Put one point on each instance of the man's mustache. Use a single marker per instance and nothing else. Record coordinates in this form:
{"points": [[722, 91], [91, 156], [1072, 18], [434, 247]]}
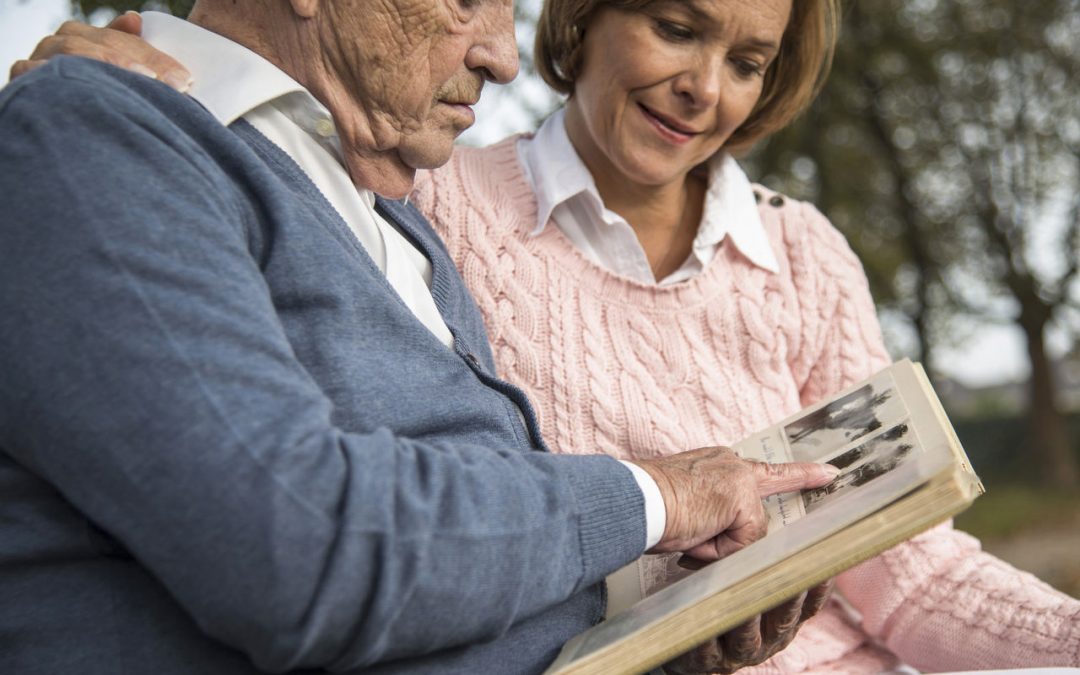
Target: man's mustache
{"points": [[465, 91]]}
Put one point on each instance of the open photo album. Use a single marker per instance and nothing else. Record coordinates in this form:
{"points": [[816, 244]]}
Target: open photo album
{"points": [[902, 471]]}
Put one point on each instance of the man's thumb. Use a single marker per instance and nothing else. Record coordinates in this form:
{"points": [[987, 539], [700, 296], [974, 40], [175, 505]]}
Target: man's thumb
{"points": [[776, 478]]}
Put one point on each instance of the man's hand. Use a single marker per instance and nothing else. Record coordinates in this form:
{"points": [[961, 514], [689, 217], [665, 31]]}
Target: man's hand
{"points": [[713, 501], [118, 44], [755, 641], [713, 498]]}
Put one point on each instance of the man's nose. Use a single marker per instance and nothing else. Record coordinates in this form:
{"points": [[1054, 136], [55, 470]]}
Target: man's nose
{"points": [[495, 51]]}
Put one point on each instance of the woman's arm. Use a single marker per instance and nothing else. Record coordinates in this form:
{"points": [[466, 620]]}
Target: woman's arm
{"points": [[937, 601]]}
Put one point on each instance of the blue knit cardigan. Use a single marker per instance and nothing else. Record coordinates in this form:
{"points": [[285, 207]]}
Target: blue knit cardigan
{"points": [[227, 446]]}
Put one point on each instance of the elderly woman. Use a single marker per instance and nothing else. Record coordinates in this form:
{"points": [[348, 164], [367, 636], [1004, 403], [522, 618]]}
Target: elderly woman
{"points": [[650, 299]]}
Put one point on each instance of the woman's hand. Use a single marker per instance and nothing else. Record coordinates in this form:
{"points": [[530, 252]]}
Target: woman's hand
{"points": [[118, 44], [755, 641]]}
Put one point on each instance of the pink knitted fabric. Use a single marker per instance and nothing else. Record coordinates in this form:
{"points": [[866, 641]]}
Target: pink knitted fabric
{"points": [[632, 370]]}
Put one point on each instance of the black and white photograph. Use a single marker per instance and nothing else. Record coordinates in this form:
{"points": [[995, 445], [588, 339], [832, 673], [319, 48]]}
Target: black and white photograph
{"points": [[865, 462], [861, 413]]}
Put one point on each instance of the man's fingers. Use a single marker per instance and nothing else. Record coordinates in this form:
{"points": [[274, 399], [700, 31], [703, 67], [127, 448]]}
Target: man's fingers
{"points": [[705, 658], [779, 621], [749, 525], [689, 562], [742, 644], [816, 598], [716, 548], [777, 478]]}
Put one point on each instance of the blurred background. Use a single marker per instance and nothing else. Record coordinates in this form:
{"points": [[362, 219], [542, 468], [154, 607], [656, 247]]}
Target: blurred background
{"points": [[946, 147]]}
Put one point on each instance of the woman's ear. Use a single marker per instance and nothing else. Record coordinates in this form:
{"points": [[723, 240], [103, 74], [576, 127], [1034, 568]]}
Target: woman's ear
{"points": [[305, 8]]}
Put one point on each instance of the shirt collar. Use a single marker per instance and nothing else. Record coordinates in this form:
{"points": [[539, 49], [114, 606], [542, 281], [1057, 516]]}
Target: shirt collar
{"points": [[557, 175], [555, 170], [731, 209], [230, 80]]}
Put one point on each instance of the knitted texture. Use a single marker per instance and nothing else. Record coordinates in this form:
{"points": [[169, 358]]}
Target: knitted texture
{"points": [[635, 371]]}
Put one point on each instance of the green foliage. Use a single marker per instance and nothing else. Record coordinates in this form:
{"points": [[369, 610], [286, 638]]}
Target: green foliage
{"points": [[998, 448], [1028, 524], [946, 140], [1009, 509], [85, 8], [946, 147]]}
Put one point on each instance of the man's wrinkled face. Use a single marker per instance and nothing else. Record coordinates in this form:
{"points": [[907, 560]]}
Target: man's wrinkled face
{"points": [[405, 75]]}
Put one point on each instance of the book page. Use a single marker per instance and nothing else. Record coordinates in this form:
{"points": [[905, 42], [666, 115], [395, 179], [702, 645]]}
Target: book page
{"points": [[865, 433], [770, 446]]}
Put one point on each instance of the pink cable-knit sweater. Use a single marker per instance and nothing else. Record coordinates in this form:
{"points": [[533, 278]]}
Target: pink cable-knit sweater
{"points": [[633, 370]]}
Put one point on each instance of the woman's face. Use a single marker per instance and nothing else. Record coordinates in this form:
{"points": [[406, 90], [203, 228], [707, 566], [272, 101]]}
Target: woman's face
{"points": [[662, 88]]}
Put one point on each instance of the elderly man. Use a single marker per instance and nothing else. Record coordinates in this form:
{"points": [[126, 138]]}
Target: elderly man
{"points": [[248, 416]]}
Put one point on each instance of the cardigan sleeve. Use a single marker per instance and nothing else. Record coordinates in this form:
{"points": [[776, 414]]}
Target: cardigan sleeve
{"points": [[147, 377], [937, 601]]}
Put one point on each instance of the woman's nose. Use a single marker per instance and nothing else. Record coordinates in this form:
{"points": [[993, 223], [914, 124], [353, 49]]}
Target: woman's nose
{"points": [[702, 82]]}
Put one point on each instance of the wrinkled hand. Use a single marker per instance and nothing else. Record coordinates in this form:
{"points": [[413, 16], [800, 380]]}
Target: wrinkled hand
{"points": [[713, 498], [755, 641], [713, 502], [118, 44]]}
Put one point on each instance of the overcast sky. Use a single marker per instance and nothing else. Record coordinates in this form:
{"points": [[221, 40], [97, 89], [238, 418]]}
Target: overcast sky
{"points": [[993, 354]]}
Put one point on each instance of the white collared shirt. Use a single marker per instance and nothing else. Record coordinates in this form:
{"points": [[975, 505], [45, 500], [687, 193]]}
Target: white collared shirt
{"points": [[233, 82], [566, 195]]}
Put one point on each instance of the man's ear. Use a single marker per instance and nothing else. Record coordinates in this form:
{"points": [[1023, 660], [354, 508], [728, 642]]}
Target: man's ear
{"points": [[305, 8]]}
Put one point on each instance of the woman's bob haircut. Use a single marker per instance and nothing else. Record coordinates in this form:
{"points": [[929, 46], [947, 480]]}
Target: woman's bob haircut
{"points": [[793, 80]]}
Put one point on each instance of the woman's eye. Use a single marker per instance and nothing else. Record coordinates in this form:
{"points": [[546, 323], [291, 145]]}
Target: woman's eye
{"points": [[673, 31], [748, 69]]}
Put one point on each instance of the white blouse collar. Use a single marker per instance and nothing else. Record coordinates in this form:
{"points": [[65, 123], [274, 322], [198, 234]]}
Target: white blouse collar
{"points": [[557, 175]]}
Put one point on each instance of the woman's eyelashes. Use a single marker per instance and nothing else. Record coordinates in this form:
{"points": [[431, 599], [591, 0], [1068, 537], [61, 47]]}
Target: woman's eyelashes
{"points": [[675, 32], [748, 68]]}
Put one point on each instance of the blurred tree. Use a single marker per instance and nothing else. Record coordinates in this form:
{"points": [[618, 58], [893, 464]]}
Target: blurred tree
{"points": [[525, 13], [947, 147], [84, 8]]}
